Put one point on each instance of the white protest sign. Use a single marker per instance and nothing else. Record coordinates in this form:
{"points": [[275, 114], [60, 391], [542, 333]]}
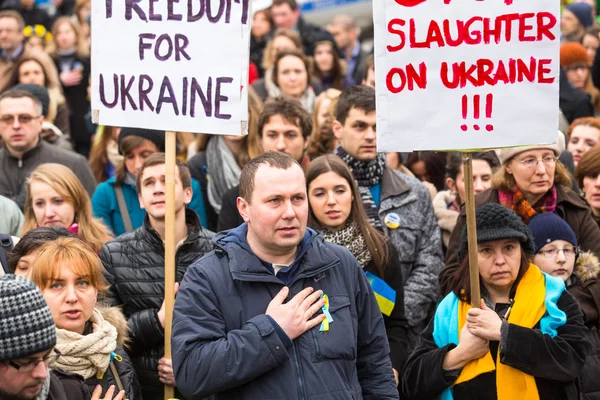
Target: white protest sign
{"points": [[175, 65], [466, 74]]}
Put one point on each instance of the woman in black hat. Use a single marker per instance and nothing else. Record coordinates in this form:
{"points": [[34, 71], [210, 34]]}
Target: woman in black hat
{"points": [[527, 341]]}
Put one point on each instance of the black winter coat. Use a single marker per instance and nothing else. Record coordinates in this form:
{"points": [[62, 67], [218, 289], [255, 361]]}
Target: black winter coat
{"points": [[67, 386], [230, 216], [554, 362], [225, 346], [134, 268]]}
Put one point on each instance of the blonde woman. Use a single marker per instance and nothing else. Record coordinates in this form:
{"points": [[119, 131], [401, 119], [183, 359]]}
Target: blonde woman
{"points": [[55, 197], [90, 338], [322, 140]]}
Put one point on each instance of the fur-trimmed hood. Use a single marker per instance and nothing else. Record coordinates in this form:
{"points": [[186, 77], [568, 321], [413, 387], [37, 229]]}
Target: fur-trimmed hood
{"points": [[115, 317], [446, 218], [587, 266]]}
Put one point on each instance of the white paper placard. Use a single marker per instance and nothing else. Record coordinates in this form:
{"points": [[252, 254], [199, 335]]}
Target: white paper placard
{"points": [[172, 65], [466, 74]]}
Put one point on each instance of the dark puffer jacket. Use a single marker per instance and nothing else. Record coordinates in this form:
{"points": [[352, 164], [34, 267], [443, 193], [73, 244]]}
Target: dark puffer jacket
{"points": [[134, 267], [225, 346]]}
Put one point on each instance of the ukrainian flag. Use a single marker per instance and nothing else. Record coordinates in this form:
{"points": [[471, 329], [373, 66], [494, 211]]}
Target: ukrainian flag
{"points": [[385, 295]]}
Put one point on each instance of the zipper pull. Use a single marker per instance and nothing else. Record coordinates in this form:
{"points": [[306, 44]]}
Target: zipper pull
{"points": [[20, 163]]}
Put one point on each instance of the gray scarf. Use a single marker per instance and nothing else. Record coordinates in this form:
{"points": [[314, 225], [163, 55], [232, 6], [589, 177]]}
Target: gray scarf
{"points": [[307, 99], [45, 389], [223, 171]]}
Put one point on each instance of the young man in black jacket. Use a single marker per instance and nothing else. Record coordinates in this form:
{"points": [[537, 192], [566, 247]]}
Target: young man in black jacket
{"points": [[134, 268]]}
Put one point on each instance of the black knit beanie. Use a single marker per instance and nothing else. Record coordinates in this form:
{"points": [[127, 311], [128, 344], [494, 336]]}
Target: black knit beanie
{"points": [[548, 227], [156, 137], [496, 222], [40, 92], [26, 325]]}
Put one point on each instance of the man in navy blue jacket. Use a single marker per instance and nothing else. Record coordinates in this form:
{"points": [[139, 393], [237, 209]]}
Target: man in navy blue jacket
{"points": [[275, 312]]}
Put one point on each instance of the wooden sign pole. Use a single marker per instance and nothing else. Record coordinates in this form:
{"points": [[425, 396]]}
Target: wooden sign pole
{"points": [[170, 155], [471, 229]]}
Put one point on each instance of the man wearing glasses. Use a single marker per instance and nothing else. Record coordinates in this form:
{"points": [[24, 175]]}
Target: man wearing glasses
{"points": [[20, 128]]}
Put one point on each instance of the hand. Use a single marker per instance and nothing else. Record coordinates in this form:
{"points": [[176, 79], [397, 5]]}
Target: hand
{"points": [[294, 317], [161, 312], [109, 393], [70, 78], [470, 347], [396, 376], [484, 323], [165, 371]]}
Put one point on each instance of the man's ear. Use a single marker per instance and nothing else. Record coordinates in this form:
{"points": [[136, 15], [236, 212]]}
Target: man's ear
{"points": [[187, 195], [141, 202], [451, 185], [336, 126], [242, 206]]}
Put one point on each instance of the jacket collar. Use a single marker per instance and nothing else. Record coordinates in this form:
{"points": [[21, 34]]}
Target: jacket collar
{"points": [[191, 220], [312, 259], [34, 151], [392, 184]]}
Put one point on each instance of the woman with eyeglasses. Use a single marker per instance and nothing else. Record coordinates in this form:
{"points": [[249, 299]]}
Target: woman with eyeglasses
{"points": [[557, 254], [527, 341], [531, 181], [89, 337]]}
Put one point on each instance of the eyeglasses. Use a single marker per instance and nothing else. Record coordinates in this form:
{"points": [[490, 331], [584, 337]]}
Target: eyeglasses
{"points": [[553, 253], [531, 162], [29, 366], [22, 118]]}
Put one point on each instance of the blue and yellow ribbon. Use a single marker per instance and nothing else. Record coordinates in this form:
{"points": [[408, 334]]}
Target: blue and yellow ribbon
{"points": [[328, 318]]}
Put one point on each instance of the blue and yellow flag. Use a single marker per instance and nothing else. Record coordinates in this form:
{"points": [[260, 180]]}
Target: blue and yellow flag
{"points": [[385, 295]]}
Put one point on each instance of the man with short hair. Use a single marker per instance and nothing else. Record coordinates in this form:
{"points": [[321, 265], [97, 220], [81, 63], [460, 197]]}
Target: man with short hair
{"points": [[27, 340], [398, 205], [345, 31], [20, 127], [134, 267], [11, 43], [286, 15], [284, 125], [275, 312]]}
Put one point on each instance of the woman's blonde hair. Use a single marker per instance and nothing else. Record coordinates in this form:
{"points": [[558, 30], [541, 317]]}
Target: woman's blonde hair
{"points": [[81, 45], [502, 180], [60, 178], [322, 141], [71, 253], [269, 55]]}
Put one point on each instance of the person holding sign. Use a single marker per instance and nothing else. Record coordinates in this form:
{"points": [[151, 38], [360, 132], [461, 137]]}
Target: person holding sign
{"points": [[134, 267], [531, 181], [527, 341], [337, 212], [276, 312], [396, 204]]}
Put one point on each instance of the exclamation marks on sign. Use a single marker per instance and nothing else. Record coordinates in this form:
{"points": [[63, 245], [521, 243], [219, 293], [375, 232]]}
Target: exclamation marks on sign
{"points": [[489, 100]]}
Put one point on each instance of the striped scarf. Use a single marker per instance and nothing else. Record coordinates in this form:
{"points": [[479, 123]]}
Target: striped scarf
{"points": [[517, 202], [366, 174]]}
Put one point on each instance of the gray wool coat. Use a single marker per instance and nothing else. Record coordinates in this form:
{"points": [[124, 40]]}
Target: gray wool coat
{"points": [[418, 242]]}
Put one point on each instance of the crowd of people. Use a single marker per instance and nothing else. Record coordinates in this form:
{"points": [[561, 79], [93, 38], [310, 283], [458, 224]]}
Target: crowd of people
{"points": [[308, 265]]}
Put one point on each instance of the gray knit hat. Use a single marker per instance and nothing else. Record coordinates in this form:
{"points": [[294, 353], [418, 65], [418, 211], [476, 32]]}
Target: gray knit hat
{"points": [[26, 325], [496, 222]]}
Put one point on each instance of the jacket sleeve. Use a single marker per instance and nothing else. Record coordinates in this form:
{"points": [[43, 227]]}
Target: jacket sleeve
{"points": [[85, 175], [207, 358], [588, 234], [101, 204], [396, 325], [559, 358], [424, 376], [421, 289], [144, 326], [62, 119], [373, 362]]}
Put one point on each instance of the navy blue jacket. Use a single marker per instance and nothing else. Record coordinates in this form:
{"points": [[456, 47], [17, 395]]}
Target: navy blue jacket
{"points": [[224, 345]]}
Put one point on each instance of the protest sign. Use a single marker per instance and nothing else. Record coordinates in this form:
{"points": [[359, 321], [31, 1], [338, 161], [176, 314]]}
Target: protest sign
{"points": [[171, 65], [466, 74]]}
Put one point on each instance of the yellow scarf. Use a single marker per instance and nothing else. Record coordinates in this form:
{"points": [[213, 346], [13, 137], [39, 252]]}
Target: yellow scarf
{"points": [[528, 309]]}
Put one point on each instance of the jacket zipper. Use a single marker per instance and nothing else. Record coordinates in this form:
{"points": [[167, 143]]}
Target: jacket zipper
{"points": [[301, 389]]}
